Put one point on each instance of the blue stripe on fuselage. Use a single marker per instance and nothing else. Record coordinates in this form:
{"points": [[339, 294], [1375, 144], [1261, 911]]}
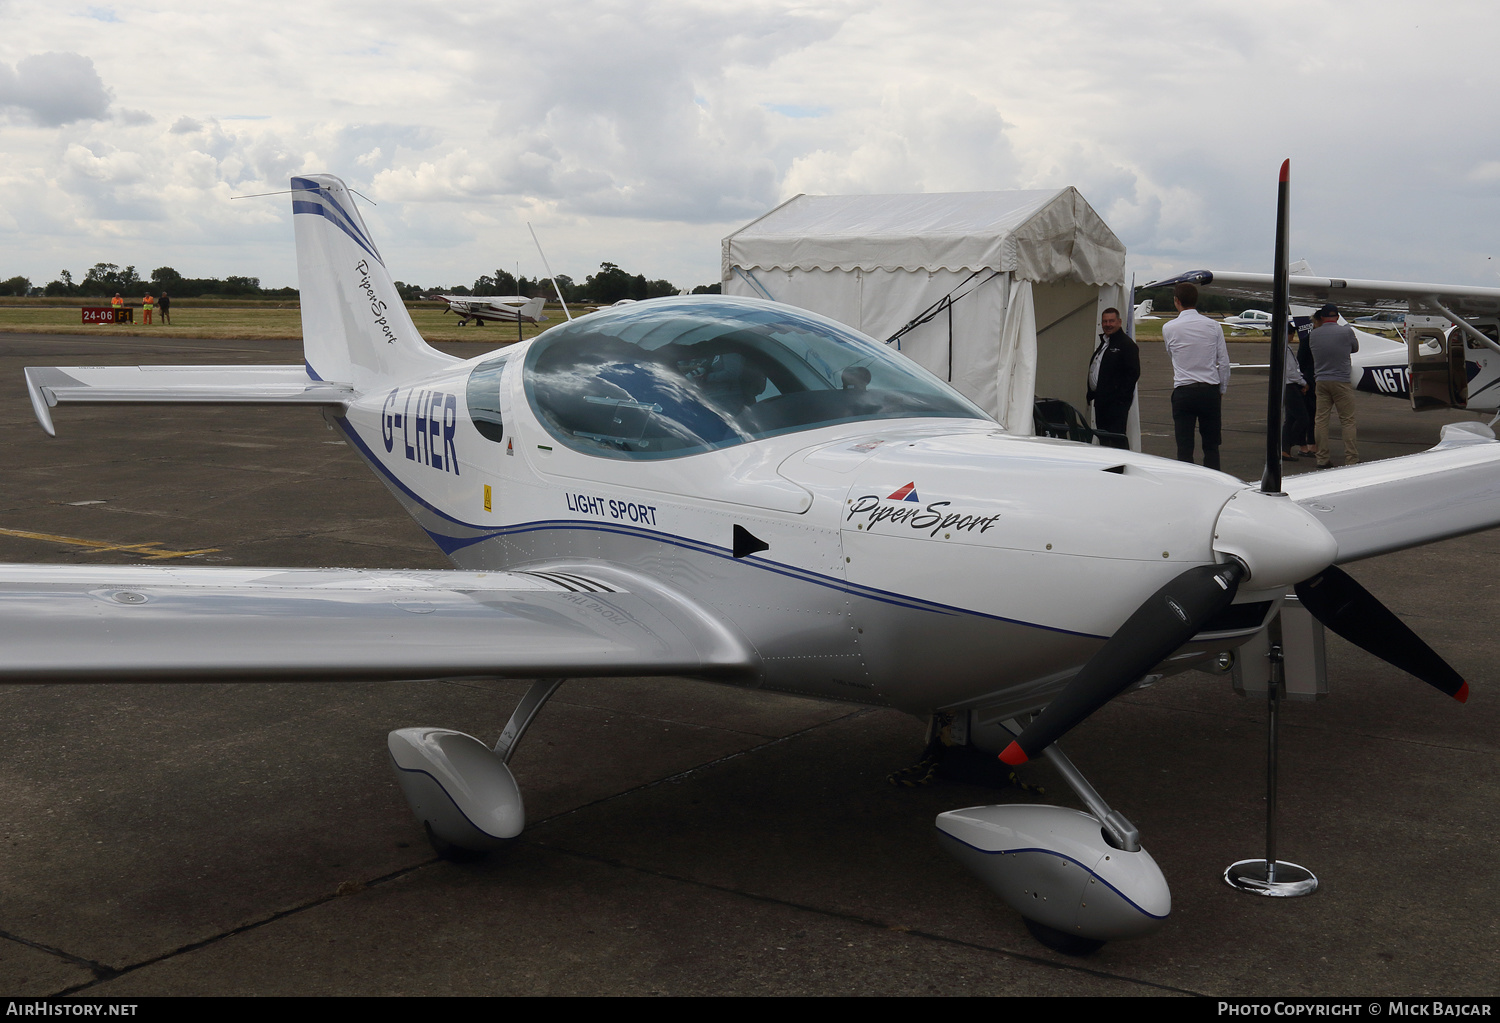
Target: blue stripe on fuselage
{"points": [[448, 544]]}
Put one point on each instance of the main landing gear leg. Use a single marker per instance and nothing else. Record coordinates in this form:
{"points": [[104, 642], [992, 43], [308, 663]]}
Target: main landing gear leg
{"points": [[461, 790]]}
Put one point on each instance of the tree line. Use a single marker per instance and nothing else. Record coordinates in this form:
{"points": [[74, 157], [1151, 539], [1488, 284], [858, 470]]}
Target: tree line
{"points": [[108, 279], [609, 285], [606, 287]]}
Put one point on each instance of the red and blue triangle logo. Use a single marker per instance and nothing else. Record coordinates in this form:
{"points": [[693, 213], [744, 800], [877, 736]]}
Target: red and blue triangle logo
{"points": [[906, 493]]}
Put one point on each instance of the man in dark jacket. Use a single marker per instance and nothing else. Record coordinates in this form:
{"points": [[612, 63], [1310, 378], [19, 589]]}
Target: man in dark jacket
{"points": [[1113, 372]]}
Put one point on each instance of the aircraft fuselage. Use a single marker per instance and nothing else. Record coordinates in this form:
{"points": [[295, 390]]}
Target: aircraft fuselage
{"points": [[918, 563]]}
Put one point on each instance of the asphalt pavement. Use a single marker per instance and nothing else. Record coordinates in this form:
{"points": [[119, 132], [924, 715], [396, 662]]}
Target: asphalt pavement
{"points": [[684, 838]]}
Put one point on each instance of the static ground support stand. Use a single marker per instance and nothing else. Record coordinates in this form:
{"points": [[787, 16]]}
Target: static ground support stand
{"points": [[457, 787], [1268, 875], [1286, 880], [1055, 867]]}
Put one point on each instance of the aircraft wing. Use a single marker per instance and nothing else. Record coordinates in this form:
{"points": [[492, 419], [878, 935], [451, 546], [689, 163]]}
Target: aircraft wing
{"points": [[1348, 294], [66, 623], [50, 386], [1378, 507]]}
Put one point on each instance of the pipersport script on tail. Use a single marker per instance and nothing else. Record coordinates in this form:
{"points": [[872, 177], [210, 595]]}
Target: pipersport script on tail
{"points": [[377, 306]]}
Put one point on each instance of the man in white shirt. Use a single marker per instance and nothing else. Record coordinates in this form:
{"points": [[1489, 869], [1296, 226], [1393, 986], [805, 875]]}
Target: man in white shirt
{"points": [[1200, 375]]}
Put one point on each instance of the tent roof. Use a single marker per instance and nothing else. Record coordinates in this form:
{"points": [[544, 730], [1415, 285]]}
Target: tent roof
{"points": [[1039, 235]]}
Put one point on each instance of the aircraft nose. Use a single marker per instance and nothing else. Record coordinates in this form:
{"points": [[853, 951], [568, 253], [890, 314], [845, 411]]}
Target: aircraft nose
{"points": [[1278, 540]]}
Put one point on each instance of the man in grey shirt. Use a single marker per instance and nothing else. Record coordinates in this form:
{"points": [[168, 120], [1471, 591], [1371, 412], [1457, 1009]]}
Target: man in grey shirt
{"points": [[1332, 344]]}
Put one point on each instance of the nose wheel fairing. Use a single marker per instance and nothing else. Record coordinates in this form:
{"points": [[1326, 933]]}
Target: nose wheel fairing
{"points": [[1053, 865]]}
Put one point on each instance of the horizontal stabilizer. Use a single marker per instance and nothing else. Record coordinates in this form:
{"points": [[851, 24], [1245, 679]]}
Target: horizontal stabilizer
{"points": [[136, 623], [1378, 507], [177, 385]]}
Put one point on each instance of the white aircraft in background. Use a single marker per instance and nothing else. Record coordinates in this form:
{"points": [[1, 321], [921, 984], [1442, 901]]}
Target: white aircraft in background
{"points": [[1393, 321], [498, 308], [749, 494], [1143, 312], [1251, 319], [1450, 357]]}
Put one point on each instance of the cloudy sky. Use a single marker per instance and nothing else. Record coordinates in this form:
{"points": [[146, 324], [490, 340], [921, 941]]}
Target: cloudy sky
{"points": [[644, 132]]}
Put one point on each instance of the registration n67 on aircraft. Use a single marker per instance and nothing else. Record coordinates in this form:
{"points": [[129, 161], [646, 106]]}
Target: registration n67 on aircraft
{"points": [[748, 494]]}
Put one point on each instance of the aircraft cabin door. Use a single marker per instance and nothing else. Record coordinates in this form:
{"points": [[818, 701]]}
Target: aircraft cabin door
{"points": [[1439, 378]]}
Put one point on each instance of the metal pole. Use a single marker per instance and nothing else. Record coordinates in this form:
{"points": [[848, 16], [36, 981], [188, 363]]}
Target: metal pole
{"points": [[1271, 876], [1273, 704]]}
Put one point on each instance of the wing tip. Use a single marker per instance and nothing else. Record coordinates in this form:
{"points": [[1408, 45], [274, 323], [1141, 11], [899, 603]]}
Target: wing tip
{"points": [[1462, 696]]}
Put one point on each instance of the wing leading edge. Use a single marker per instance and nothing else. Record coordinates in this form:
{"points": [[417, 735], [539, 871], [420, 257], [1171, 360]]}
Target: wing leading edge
{"points": [[1347, 293], [1378, 507], [144, 623]]}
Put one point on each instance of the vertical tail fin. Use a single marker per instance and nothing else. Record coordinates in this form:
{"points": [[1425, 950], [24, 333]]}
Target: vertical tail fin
{"points": [[354, 327]]}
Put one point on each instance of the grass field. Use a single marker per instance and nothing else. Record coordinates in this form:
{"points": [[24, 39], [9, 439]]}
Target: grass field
{"points": [[250, 321], [256, 320]]}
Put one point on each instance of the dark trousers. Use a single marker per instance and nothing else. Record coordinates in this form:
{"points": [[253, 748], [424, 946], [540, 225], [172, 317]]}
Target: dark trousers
{"points": [[1112, 418], [1199, 404], [1296, 430]]}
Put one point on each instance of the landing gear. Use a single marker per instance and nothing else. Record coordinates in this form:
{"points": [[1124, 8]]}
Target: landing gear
{"points": [[446, 850], [462, 791], [1058, 941], [1077, 879]]}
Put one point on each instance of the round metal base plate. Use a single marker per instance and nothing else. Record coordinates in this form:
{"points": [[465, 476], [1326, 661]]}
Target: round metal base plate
{"points": [[1291, 880]]}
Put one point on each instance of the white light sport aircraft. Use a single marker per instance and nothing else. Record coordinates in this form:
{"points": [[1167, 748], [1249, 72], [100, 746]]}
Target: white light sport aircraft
{"points": [[1455, 366], [497, 308], [749, 494]]}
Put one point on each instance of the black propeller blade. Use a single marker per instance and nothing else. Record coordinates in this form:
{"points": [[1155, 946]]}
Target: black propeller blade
{"points": [[1169, 618], [1270, 480], [1352, 611]]}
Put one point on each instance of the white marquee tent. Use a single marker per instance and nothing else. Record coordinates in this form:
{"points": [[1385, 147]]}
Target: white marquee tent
{"points": [[997, 292]]}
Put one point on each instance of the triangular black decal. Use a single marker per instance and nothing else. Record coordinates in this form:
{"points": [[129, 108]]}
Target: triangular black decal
{"points": [[747, 543]]}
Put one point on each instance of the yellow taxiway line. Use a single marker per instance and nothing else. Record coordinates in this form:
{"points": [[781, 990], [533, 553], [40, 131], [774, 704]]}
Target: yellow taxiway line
{"points": [[147, 550]]}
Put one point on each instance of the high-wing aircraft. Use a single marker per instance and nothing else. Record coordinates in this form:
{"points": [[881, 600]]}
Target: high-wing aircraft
{"points": [[753, 495], [1456, 366], [499, 308]]}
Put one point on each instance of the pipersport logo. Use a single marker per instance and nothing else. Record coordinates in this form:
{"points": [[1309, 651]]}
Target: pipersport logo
{"points": [[905, 508]]}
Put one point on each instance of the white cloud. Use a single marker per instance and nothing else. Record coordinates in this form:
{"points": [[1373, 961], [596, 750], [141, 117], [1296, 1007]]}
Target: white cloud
{"points": [[642, 132], [53, 89]]}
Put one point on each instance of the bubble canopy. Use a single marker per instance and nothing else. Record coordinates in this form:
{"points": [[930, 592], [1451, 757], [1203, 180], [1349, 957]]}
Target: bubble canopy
{"points": [[673, 377]]}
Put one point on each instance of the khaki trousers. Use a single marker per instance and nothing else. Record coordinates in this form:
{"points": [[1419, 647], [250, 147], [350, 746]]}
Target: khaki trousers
{"points": [[1334, 394]]}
